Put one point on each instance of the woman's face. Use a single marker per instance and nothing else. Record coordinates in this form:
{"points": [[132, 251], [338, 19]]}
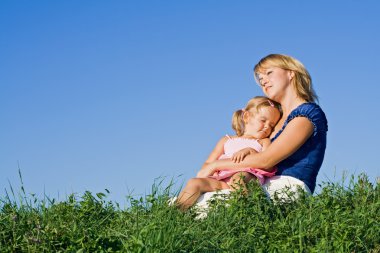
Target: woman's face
{"points": [[274, 81]]}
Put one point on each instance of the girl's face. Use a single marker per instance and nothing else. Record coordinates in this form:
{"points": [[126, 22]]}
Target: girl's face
{"points": [[274, 81], [261, 123]]}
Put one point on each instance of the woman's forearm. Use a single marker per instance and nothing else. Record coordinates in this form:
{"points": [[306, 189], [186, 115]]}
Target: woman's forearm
{"points": [[254, 160]]}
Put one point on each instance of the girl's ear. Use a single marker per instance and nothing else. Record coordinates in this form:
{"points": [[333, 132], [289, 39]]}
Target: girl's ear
{"points": [[246, 115]]}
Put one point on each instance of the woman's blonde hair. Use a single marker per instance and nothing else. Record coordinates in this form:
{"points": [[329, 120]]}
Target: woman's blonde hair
{"points": [[256, 104], [302, 79]]}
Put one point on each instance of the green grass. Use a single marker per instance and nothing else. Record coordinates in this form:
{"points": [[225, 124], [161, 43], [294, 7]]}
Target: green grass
{"points": [[338, 219]]}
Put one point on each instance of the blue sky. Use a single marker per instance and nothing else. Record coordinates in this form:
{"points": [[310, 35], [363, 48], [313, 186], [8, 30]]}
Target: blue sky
{"points": [[112, 94]]}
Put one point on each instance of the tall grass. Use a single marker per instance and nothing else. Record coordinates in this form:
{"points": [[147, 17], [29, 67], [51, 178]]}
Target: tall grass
{"points": [[341, 218]]}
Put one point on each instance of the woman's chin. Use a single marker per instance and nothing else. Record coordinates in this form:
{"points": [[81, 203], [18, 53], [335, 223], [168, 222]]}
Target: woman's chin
{"points": [[268, 94], [272, 96]]}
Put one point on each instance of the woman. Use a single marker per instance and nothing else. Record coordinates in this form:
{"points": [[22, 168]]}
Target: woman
{"points": [[299, 138]]}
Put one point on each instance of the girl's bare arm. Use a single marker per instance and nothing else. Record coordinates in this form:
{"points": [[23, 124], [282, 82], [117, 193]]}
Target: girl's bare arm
{"points": [[215, 154]]}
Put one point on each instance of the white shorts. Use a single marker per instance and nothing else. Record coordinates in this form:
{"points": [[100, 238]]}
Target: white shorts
{"points": [[284, 188], [277, 188], [281, 188]]}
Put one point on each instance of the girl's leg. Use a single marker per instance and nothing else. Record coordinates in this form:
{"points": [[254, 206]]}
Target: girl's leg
{"points": [[239, 181], [195, 187]]}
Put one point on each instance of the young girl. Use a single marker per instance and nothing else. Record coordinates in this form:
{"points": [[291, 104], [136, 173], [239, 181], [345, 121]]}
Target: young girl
{"points": [[253, 125]]}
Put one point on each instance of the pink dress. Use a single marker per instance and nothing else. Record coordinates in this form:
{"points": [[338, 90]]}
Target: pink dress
{"points": [[233, 145]]}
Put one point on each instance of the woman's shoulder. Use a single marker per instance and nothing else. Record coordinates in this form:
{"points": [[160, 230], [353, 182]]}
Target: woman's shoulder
{"points": [[308, 109], [313, 112]]}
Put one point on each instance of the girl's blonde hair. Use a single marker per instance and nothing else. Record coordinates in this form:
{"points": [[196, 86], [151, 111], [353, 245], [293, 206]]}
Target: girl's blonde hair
{"points": [[302, 79], [256, 104]]}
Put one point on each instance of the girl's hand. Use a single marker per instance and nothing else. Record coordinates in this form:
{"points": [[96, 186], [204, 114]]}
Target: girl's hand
{"points": [[239, 156]]}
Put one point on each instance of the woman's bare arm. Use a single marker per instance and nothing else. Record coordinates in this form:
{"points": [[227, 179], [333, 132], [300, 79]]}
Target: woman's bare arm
{"points": [[291, 139]]}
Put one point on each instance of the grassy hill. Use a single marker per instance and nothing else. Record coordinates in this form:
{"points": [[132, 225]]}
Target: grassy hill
{"points": [[338, 219]]}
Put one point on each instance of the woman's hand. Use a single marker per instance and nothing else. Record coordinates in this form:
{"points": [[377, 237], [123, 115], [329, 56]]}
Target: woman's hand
{"points": [[207, 170], [239, 156]]}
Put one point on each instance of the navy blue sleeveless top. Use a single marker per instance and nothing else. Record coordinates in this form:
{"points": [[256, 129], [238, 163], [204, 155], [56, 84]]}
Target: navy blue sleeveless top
{"points": [[305, 163]]}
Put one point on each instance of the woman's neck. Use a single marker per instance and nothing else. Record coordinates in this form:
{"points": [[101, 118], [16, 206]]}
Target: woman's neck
{"points": [[290, 103], [287, 105]]}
